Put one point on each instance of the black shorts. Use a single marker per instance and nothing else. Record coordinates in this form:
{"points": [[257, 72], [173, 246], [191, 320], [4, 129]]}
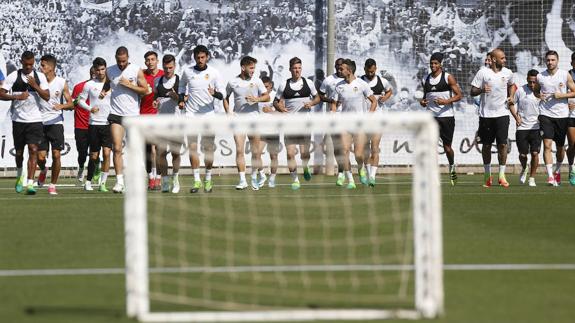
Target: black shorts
{"points": [[571, 123], [554, 128], [297, 140], [27, 133], [100, 136], [446, 129], [273, 144], [114, 118], [494, 129], [53, 136], [528, 141]]}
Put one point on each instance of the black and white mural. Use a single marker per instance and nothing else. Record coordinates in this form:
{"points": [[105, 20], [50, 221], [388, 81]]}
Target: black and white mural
{"points": [[399, 34]]}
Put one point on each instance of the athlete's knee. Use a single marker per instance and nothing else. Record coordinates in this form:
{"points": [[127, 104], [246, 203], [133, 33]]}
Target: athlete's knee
{"points": [[56, 154]]}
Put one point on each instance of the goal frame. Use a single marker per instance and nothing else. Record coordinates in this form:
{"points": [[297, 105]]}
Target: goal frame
{"points": [[426, 206]]}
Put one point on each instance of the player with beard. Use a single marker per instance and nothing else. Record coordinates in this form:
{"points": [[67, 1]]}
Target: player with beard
{"points": [[248, 91], [382, 91], [27, 89], [557, 87], [127, 82], [495, 85]]}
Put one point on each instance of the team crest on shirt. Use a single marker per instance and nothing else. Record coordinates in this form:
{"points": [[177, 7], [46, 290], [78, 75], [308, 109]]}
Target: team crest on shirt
{"points": [[561, 84], [207, 77], [251, 85], [355, 89], [57, 94]]}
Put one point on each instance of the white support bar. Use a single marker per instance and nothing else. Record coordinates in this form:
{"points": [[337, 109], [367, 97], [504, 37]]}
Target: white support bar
{"points": [[135, 226], [427, 223]]}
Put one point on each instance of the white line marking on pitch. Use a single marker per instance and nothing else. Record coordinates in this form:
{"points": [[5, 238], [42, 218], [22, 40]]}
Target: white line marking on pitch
{"points": [[318, 268]]}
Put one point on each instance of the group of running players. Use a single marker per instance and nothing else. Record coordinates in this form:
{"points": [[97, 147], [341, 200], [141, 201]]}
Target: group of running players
{"points": [[540, 108]]}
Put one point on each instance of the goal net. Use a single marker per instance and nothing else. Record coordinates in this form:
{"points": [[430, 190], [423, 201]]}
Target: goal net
{"points": [[320, 252]]}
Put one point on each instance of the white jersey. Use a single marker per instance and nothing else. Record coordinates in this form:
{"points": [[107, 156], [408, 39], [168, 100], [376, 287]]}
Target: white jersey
{"points": [[296, 94], [167, 105], [26, 111], [438, 88], [124, 101], [494, 103], [49, 114], [93, 92], [195, 84], [352, 95], [527, 107], [327, 87], [551, 84], [378, 89], [241, 89]]}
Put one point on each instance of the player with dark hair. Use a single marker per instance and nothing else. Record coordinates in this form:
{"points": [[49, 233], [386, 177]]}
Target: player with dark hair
{"points": [[382, 91], [151, 73], [440, 91], [96, 99], [351, 94], [526, 113], [53, 122], [248, 91], [557, 87], [202, 84], [27, 89], [166, 100]]}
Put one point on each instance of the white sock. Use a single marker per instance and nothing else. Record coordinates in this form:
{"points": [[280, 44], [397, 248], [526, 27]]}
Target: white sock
{"points": [[196, 174], [340, 174], [19, 172], [151, 175], [30, 182], [373, 172], [255, 174], [368, 170], [487, 168], [549, 170], [242, 176], [558, 167], [272, 177], [262, 173], [349, 176], [208, 174], [502, 170], [451, 168], [120, 179], [104, 177], [294, 176], [175, 175], [154, 172]]}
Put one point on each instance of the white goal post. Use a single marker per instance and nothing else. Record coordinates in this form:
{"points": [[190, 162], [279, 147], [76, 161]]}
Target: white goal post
{"points": [[425, 194]]}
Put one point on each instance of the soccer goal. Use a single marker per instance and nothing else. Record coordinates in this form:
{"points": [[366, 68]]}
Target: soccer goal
{"points": [[321, 252]]}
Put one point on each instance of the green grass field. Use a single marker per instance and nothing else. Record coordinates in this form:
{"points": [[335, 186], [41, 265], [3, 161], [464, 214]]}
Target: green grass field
{"points": [[491, 227]]}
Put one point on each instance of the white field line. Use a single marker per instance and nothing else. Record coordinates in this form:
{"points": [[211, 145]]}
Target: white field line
{"points": [[185, 195], [311, 268]]}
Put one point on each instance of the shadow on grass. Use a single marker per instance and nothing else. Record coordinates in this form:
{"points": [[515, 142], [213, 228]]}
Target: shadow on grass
{"points": [[75, 311]]}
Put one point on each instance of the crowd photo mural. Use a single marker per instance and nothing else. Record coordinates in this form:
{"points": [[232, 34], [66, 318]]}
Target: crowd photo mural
{"points": [[400, 35]]}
